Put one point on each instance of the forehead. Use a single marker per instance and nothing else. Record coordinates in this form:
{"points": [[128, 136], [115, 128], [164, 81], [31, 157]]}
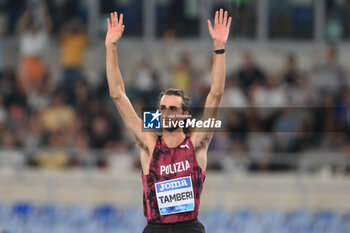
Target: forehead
{"points": [[171, 100]]}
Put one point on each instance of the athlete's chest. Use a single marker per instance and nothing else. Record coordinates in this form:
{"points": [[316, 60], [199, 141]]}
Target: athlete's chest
{"points": [[174, 180], [174, 161]]}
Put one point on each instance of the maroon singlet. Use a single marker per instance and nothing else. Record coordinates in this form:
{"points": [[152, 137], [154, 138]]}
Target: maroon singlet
{"points": [[167, 164]]}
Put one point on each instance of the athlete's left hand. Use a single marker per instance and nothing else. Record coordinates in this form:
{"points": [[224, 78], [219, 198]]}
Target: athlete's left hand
{"points": [[221, 29]]}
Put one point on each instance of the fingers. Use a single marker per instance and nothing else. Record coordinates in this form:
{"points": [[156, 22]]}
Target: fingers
{"points": [[121, 19], [108, 24], [116, 18], [229, 22], [225, 18], [112, 20], [220, 16], [210, 27]]}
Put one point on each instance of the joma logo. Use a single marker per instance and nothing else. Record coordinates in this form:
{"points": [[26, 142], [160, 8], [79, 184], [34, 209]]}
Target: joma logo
{"points": [[174, 184]]}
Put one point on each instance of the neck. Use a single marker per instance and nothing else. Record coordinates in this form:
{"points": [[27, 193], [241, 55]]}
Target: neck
{"points": [[173, 138]]}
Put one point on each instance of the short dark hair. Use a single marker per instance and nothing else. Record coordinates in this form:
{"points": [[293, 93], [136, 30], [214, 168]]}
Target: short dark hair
{"points": [[186, 100]]}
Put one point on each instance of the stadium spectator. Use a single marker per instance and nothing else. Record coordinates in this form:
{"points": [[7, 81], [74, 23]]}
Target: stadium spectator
{"points": [[329, 76], [259, 146], [145, 82], [82, 96], [53, 157], [182, 73], [269, 99], [33, 135], [17, 119], [74, 41], [99, 132], [271, 95], [291, 71], [10, 157], [34, 35], [221, 142], [83, 155], [300, 93], [39, 99], [233, 96], [288, 131], [249, 74], [59, 116], [201, 84]]}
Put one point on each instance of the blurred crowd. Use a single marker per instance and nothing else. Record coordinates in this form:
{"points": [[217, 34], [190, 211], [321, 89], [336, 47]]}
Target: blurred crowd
{"points": [[68, 123]]}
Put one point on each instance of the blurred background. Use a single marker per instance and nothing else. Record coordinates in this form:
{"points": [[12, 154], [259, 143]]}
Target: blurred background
{"points": [[68, 164]]}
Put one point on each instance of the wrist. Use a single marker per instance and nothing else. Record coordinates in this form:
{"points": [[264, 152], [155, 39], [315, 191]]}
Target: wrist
{"points": [[110, 46], [218, 46]]}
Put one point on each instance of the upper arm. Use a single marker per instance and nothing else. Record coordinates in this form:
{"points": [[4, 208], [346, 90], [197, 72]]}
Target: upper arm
{"points": [[134, 123], [202, 138]]}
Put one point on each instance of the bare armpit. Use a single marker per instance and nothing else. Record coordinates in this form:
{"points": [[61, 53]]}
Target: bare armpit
{"points": [[141, 145], [203, 143]]}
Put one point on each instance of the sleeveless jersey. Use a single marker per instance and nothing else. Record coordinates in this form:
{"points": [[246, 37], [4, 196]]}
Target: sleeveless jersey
{"points": [[172, 189]]}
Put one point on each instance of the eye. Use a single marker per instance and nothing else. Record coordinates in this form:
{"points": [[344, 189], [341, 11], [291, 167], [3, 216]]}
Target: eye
{"points": [[172, 108], [162, 107]]}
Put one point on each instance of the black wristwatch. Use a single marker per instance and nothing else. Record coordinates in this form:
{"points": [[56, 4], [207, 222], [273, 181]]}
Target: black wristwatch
{"points": [[219, 51]]}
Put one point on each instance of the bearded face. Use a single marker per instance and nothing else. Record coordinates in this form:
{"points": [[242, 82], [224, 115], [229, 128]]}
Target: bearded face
{"points": [[171, 110]]}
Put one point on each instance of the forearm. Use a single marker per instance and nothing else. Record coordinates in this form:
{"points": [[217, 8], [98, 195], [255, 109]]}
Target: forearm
{"points": [[218, 72], [114, 76]]}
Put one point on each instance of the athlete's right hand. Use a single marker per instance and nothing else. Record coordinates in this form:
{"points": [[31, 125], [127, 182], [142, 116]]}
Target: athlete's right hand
{"points": [[115, 29]]}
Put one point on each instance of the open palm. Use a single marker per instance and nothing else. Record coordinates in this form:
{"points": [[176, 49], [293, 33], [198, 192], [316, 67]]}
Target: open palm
{"points": [[115, 29], [219, 33]]}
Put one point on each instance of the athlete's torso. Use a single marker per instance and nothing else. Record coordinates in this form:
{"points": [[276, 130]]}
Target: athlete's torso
{"points": [[172, 188]]}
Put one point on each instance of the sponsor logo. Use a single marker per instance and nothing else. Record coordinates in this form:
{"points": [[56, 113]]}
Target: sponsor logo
{"points": [[151, 120], [185, 146], [192, 123], [173, 184]]}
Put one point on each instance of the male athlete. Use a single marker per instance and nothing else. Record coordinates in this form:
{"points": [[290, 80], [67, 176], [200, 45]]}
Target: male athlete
{"points": [[174, 163]]}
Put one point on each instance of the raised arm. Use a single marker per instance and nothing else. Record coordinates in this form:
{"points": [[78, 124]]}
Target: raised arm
{"points": [[219, 34], [116, 84], [114, 76]]}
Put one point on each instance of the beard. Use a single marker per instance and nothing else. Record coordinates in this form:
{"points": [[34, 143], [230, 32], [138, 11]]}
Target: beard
{"points": [[171, 129]]}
